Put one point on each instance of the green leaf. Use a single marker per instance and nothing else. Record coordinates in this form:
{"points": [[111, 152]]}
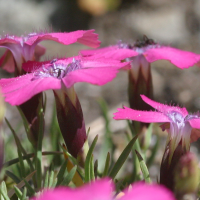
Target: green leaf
{"points": [[21, 184], [26, 123], [46, 180], [38, 159], [19, 145], [12, 176], [18, 192], [29, 188], [24, 194], [3, 191], [30, 155], [122, 158], [51, 179], [107, 144], [143, 167], [107, 163], [69, 176], [61, 172], [88, 158], [92, 177], [96, 169]]}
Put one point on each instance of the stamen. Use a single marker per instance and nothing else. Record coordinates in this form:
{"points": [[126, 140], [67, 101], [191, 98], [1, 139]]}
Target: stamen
{"points": [[56, 70]]}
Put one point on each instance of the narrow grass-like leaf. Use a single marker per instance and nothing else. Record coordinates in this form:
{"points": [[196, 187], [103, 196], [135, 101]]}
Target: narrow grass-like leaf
{"points": [[51, 178], [147, 136], [22, 167], [18, 192], [38, 159], [61, 172], [143, 167], [46, 180], [92, 168], [30, 155], [54, 183], [29, 188], [19, 145], [96, 169], [24, 194], [88, 158], [12, 176], [69, 176], [69, 155], [26, 124], [107, 163], [3, 191], [122, 158], [21, 184], [107, 144]]}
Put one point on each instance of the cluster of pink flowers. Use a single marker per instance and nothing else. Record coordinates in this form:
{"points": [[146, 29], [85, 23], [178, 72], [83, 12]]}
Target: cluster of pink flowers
{"points": [[98, 67]]}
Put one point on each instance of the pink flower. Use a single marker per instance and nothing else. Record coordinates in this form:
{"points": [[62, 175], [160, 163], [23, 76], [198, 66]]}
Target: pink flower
{"points": [[53, 74], [60, 76], [103, 190], [148, 50], [181, 123], [26, 48]]}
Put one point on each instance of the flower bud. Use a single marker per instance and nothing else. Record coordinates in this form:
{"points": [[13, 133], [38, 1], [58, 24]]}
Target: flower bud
{"points": [[186, 175], [70, 119], [168, 164]]}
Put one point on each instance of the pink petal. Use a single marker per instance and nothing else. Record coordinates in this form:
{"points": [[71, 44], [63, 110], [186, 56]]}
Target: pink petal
{"points": [[101, 189], [143, 191], [195, 135], [98, 72], [84, 37], [182, 59], [141, 116], [9, 40], [7, 62], [97, 76], [164, 108], [195, 123], [20, 89], [110, 52], [31, 66]]}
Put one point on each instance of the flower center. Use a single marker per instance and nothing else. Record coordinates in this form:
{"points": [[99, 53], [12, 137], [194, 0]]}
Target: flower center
{"points": [[56, 69], [177, 118]]}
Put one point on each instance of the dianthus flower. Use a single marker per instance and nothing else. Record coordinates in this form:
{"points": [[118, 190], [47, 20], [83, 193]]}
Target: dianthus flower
{"points": [[60, 75], [103, 190], [180, 122], [181, 126], [141, 54], [25, 48]]}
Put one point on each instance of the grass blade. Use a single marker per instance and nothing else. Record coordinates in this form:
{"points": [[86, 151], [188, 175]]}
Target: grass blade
{"points": [[143, 167], [122, 158], [88, 158]]}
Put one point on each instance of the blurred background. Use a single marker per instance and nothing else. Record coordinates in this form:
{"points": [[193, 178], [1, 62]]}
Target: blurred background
{"points": [[175, 23]]}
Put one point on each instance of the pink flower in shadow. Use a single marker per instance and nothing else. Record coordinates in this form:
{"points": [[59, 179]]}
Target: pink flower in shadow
{"points": [[103, 190]]}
